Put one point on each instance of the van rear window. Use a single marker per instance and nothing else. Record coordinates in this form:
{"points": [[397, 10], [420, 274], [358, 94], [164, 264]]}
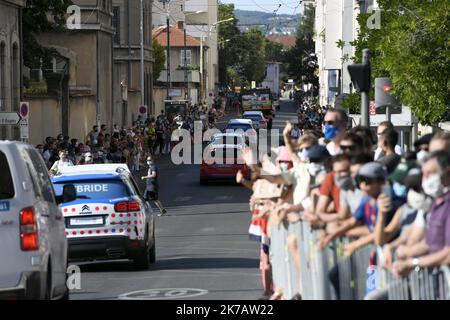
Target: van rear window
{"points": [[6, 181], [96, 190]]}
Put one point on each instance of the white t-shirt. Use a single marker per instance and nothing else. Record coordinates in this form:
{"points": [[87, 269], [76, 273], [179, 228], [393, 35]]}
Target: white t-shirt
{"points": [[333, 149], [58, 165], [420, 220], [299, 178], [351, 199]]}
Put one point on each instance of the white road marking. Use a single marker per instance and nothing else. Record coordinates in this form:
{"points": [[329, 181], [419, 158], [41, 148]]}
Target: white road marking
{"points": [[183, 199], [223, 198]]}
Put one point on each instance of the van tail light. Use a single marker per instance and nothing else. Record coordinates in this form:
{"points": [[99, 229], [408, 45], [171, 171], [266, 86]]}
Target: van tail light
{"points": [[128, 206], [262, 122], [121, 207], [29, 239], [134, 206]]}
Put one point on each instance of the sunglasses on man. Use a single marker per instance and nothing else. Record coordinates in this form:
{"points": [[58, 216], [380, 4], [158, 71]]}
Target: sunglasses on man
{"points": [[345, 147], [367, 180], [330, 123]]}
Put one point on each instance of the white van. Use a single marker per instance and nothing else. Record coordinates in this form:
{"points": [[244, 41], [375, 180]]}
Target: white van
{"points": [[33, 245]]}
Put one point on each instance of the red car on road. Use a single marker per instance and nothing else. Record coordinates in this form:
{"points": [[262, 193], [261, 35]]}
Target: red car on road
{"points": [[223, 158]]}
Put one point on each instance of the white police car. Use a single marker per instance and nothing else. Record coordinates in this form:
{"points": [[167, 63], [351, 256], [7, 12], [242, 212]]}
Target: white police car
{"points": [[110, 218]]}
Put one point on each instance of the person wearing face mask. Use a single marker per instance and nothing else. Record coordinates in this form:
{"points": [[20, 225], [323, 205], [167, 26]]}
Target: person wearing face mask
{"points": [[151, 191], [411, 232], [422, 147], [335, 126], [434, 249], [350, 195], [371, 179], [301, 174], [328, 204], [88, 158]]}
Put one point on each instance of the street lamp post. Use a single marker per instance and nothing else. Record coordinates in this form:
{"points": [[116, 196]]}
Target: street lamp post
{"points": [[214, 25], [142, 54], [186, 75]]}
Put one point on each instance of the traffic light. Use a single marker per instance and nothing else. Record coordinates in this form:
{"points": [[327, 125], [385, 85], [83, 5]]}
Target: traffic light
{"points": [[384, 98], [360, 75]]}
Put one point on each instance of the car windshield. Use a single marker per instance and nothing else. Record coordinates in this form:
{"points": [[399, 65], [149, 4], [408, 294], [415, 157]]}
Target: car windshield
{"points": [[227, 140], [239, 126], [6, 182], [253, 117], [96, 190]]}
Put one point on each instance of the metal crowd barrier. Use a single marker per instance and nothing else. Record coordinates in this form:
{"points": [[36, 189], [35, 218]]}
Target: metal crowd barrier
{"points": [[422, 284], [354, 275]]}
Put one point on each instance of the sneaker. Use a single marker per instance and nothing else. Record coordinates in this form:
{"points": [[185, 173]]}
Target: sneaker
{"points": [[162, 213]]}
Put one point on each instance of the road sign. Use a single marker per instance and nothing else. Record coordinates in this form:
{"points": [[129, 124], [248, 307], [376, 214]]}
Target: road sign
{"points": [[9, 118], [24, 130], [143, 112], [24, 110]]}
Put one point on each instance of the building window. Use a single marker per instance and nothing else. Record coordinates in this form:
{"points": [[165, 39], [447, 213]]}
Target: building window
{"points": [[15, 77], [3, 88], [116, 24], [186, 57]]}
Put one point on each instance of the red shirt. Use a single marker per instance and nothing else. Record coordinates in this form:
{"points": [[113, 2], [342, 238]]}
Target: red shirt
{"points": [[331, 190]]}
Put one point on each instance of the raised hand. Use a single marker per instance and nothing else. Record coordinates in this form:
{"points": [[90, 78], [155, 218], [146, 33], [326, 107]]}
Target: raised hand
{"points": [[287, 130]]}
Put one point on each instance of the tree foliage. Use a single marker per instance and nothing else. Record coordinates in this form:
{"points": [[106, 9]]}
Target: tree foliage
{"points": [[160, 59], [413, 48], [274, 51], [301, 64], [254, 60], [229, 38], [41, 16], [242, 56]]}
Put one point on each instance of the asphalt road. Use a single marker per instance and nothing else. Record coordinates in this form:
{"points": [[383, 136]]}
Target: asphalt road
{"points": [[202, 243]]}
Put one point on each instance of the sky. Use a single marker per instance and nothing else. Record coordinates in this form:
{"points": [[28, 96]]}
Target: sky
{"points": [[287, 6]]}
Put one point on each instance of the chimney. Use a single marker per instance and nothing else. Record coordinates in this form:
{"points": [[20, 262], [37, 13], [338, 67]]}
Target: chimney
{"points": [[180, 25]]}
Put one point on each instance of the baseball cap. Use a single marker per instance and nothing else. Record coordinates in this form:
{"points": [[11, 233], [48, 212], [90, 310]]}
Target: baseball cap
{"points": [[317, 153], [373, 170], [401, 171], [414, 178]]}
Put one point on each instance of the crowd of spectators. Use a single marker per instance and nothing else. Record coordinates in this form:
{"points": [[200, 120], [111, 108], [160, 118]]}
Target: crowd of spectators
{"points": [[129, 145], [352, 183]]}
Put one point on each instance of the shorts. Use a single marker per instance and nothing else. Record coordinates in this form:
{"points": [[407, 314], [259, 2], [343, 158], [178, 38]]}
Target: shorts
{"points": [[151, 195]]}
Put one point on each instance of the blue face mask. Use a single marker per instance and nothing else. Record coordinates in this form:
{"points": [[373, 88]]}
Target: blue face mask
{"points": [[400, 190], [330, 132]]}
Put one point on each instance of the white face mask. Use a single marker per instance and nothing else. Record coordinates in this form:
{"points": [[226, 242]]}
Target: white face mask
{"points": [[284, 167], [415, 199], [421, 156], [433, 186], [303, 155], [315, 168]]}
